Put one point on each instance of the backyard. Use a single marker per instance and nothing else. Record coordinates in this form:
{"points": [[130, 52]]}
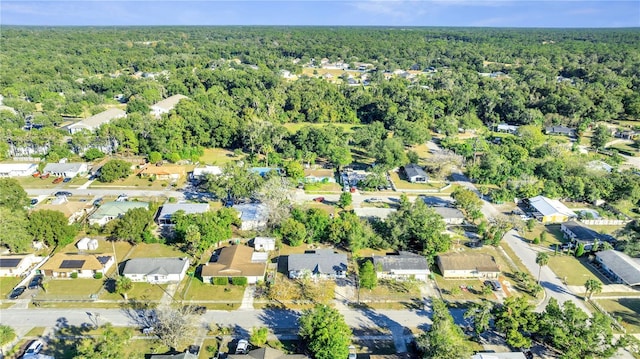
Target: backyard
{"points": [[626, 310]]}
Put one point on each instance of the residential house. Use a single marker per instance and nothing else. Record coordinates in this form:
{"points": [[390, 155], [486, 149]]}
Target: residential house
{"points": [[16, 265], [415, 173], [401, 266], [578, 233], [92, 123], [466, 265], [254, 216], [560, 130], [622, 268], [156, 270], [627, 134], [62, 265], [319, 175], [169, 209], [164, 173], [73, 210], [506, 128], [321, 263], [435, 201], [373, 212], [184, 355], [549, 210], [17, 169], [87, 244], [200, 173], [450, 215], [166, 105], [492, 355], [65, 169], [236, 261], [111, 210], [266, 353], [264, 244]]}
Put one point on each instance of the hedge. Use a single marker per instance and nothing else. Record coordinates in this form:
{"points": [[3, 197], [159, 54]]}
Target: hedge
{"points": [[220, 280], [241, 281]]}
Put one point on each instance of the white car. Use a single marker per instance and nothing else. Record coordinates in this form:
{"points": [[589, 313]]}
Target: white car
{"points": [[374, 200], [352, 352], [34, 348], [243, 347]]}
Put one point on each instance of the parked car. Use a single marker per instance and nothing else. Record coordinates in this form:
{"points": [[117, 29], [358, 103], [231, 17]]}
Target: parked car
{"points": [[374, 200], [34, 348], [34, 201], [242, 347], [36, 175], [63, 193], [58, 180], [352, 352], [494, 284], [45, 176], [67, 179], [36, 281], [318, 199], [17, 292], [474, 244], [98, 202], [194, 349]]}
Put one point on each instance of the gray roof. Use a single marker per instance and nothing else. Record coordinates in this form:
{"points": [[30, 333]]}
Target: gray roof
{"points": [[582, 232], [436, 201], [252, 211], [401, 261], [115, 209], [561, 130], [549, 207], [447, 212], [413, 170], [169, 102], [95, 121], [625, 267], [150, 266], [267, 353], [323, 261], [189, 208], [62, 167]]}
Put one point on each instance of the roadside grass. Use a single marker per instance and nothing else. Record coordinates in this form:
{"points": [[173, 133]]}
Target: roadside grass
{"points": [[135, 181], [626, 310], [146, 291], [195, 290], [405, 295], [151, 250], [294, 127], [35, 332], [72, 289], [404, 184], [141, 348], [31, 182], [325, 206], [379, 347], [7, 284], [322, 187], [572, 270], [75, 305], [218, 156], [452, 291]]}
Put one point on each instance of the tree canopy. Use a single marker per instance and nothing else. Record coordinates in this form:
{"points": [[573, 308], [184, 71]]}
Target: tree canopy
{"points": [[325, 333]]}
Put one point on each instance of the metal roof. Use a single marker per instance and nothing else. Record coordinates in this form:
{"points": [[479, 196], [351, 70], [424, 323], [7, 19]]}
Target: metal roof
{"points": [[582, 232], [169, 102], [549, 207], [93, 122], [625, 267]]}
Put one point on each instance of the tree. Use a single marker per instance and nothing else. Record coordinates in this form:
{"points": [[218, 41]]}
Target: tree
{"points": [[345, 199], [325, 332], [176, 327], [531, 224], [467, 201], [113, 170], [110, 345], [515, 318], [12, 195], [444, 340], [580, 250], [480, 314], [542, 259], [93, 154], [276, 195], [133, 226], [123, 285], [52, 227], [259, 336], [368, 277], [7, 334], [13, 233], [294, 170], [601, 135], [236, 181], [155, 157], [292, 232], [593, 286]]}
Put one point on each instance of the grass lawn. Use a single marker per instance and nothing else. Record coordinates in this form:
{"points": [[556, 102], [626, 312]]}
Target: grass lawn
{"points": [[451, 294], [143, 290], [626, 309], [294, 127], [627, 149], [134, 181], [31, 182], [78, 289], [145, 250], [403, 184], [322, 187], [405, 294], [574, 270], [218, 156], [194, 289], [422, 151], [7, 284], [554, 235], [204, 353]]}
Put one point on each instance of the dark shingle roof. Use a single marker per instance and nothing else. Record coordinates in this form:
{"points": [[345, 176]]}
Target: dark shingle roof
{"points": [[625, 267], [583, 233], [321, 261], [413, 170], [401, 261], [446, 212]]}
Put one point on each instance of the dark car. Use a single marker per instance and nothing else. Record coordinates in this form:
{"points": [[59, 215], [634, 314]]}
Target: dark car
{"points": [[17, 292], [63, 193], [194, 349], [474, 244], [66, 179], [36, 281], [494, 284], [34, 201]]}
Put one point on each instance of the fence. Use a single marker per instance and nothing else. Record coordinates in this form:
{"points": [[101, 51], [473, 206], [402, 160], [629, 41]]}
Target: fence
{"points": [[605, 222], [614, 321]]}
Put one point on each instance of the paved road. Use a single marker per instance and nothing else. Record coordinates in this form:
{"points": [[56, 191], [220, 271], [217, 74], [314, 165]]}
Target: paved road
{"points": [[107, 192]]}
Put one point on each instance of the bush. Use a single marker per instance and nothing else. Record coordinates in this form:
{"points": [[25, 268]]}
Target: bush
{"points": [[536, 240], [241, 281], [97, 275], [220, 281], [74, 275]]}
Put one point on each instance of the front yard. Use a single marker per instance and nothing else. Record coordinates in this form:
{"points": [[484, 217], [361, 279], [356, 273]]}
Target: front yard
{"points": [[571, 270], [626, 310], [227, 297], [391, 294], [69, 289], [403, 184]]}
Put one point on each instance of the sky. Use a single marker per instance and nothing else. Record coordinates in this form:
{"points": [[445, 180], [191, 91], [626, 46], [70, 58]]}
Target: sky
{"points": [[475, 13]]}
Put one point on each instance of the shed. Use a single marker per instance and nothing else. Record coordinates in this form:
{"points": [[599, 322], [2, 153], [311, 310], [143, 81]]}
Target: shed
{"points": [[87, 244], [265, 244]]}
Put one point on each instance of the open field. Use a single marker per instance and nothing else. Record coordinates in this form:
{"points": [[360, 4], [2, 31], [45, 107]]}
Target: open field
{"points": [[218, 156], [627, 310], [572, 270], [195, 290], [144, 250]]}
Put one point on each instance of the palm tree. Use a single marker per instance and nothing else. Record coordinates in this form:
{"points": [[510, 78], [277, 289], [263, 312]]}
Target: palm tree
{"points": [[542, 259], [592, 286], [123, 285], [480, 314]]}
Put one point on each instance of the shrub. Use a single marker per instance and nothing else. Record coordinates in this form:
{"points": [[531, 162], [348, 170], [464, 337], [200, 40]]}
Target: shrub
{"points": [[220, 281], [74, 275], [97, 275], [241, 281], [536, 240]]}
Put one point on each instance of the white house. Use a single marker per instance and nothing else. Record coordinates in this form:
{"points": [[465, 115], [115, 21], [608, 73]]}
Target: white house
{"points": [[92, 123], [619, 266], [87, 244], [17, 169], [65, 169], [17, 264], [156, 270], [460, 265], [415, 173], [450, 215], [169, 209], [319, 175], [265, 244], [404, 265], [253, 216], [199, 173], [166, 105]]}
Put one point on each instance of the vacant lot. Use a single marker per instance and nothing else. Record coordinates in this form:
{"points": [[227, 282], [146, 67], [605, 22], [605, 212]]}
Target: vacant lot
{"points": [[393, 294], [195, 290], [625, 309], [322, 188], [572, 270], [219, 156], [145, 250]]}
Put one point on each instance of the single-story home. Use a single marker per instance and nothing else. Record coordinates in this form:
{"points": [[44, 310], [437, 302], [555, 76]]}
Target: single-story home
{"points": [[87, 244], [415, 173], [550, 210], [199, 173], [86, 265], [17, 169], [436, 201], [111, 210], [577, 233], [16, 265], [506, 128], [236, 261], [266, 353], [156, 270], [165, 105], [373, 212], [254, 216], [404, 265], [465, 265], [92, 123], [560, 130], [169, 209], [184, 355], [319, 175], [321, 263], [509, 355], [73, 210], [164, 173], [621, 267], [65, 169], [450, 215], [264, 244]]}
